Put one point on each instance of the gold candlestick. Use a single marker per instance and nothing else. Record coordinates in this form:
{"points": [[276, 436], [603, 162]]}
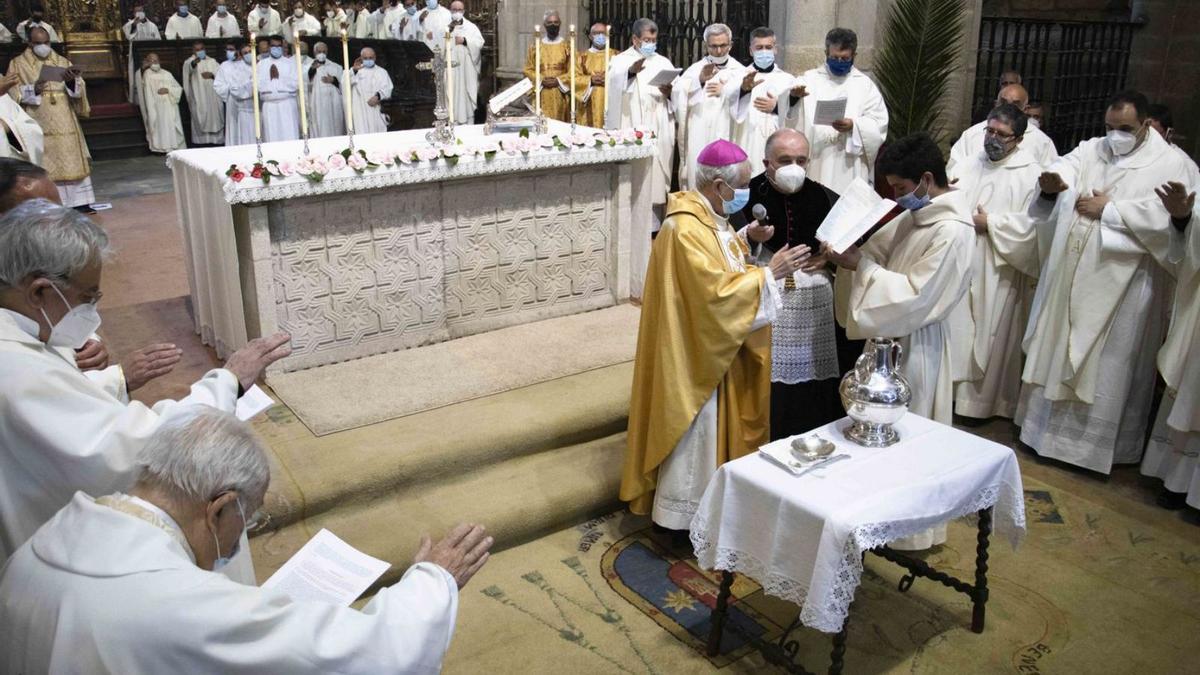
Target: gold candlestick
{"points": [[537, 70]]}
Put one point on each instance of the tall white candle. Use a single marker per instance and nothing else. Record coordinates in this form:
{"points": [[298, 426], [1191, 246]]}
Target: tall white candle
{"points": [[347, 79], [300, 84], [573, 68], [446, 49], [254, 86], [537, 69]]}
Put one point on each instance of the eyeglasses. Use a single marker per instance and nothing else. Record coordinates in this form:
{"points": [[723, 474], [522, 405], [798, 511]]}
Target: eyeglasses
{"points": [[998, 134], [258, 521], [719, 48]]}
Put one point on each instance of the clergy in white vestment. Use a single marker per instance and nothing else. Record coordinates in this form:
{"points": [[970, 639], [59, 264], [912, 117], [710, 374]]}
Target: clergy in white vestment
{"points": [[371, 87], [466, 52], [278, 91], [1036, 143], [391, 13], [327, 110], [634, 102], [702, 373], [1173, 453], [704, 98], [208, 114], [139, 27], [364, 21], [406, 26], [264, 20], [847, 149], [1161, 119], [910, 281], [183, 25], [222, 24], [763, 97], [62, 430], [999, 182], [335, 19], [123, 581], [5, 34], [432, 20], [302, 21], [37, 19], [1099, 314], [21, 136], [160, 106], [234, 86]]}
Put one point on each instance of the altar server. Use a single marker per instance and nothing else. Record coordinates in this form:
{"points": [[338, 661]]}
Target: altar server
{"points": [[910, 281], [335, 19], [160, 107], [1036, 143], [21, 137], [704, 101], [847, 149], [634, 102], [763, 98], [139, 27], [701, 378], [1173, 453], [222, 24], [234, 86], [327, 115], [277, 89], [591, 65], [63, 431], [1098, 317], [371, 87], [183, 25], [122, 582], [208, 116], [56, 106], [1000, 182], [264, 20], [467, 52], [301, 21], [37, 19]]}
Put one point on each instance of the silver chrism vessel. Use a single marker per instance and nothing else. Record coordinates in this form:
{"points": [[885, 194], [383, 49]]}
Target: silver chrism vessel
{"points": [[875, 394]]}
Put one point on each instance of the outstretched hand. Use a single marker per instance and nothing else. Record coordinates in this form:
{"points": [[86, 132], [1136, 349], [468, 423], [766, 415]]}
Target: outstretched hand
{"points": [[462, 552]]}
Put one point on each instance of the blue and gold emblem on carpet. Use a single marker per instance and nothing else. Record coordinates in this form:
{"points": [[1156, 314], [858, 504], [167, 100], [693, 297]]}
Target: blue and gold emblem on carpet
{"points": [[663, 581]]}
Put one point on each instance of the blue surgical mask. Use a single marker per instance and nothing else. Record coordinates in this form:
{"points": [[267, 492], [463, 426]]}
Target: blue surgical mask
{"points": [[764, 59], [741, 197], [230, 55], [246, 57], [912, 202], [201, 54], [221, 9], [183, 10], [277, 52], [411, 9], [600, 41], [648, 49], [223, 561], [368, 63], [838, 68], [431, 4]]}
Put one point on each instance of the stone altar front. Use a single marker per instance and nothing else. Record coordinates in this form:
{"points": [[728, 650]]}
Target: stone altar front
{"points": [[407, 255]]}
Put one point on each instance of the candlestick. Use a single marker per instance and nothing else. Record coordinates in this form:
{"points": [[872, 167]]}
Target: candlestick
{"points": [[573, 66], [606, 57], [347, 81], [449, 77], [254, 92], [537, 70], [300, 85]]}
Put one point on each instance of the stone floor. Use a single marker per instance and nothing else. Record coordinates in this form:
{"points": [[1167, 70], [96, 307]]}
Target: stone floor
{"points": [[121, 178]]}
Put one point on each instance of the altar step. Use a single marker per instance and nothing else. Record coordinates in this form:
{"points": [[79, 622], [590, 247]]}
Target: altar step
{"points": [[524, 463], [115, 132]]}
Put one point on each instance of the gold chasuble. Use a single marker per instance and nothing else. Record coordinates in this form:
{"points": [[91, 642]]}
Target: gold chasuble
{"points": [[556, 62], [591, 111], [695, 338], [66, 157]]}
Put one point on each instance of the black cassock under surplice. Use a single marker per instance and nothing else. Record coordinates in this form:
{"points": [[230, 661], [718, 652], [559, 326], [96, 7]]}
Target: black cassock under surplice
{"points": [[806, 405]]}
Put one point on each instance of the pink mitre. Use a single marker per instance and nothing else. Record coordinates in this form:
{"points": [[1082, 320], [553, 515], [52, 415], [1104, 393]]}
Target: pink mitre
{"points": [[721, 153]]}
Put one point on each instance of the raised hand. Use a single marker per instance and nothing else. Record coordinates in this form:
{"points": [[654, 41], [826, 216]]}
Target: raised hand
{"points": [[462, 552], [787, 260], [148, 363], [799, 91], [248, 363], [1176, 199], [637, 66], [748, 79], [707, 72], [1051, 183]]}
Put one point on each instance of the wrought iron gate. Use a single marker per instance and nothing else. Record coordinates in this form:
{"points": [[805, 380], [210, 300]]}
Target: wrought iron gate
{"points": [[1071, 67], [681, 23]]}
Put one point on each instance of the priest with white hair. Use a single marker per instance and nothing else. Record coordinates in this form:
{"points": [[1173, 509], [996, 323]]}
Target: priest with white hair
{"points": [[62, 431], [327, 110], [124, 582], [371, 86], [704, 100], [466, 52]]}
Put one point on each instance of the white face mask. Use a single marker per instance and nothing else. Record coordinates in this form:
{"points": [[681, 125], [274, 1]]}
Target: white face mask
{"points": [[789, 179], [42, 51], [1121, 142], [1035, 123], [299, 13], [155, 67], [456, 16], [222, 561], [140, 15], [76, 327], [321, 57], [718, 60]]}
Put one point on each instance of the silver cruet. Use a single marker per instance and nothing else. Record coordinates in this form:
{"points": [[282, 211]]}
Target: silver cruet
{"points": [[875, 394]]}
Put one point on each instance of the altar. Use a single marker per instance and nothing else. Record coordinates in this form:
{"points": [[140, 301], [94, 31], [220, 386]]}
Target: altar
{"points": [[406, 243]]}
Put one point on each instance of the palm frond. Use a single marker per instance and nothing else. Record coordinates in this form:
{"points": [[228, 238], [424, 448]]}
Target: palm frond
{"points": [[920, 50]]}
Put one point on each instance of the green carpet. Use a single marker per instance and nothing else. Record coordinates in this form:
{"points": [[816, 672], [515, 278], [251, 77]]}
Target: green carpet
{"points": [[1089, 591]]}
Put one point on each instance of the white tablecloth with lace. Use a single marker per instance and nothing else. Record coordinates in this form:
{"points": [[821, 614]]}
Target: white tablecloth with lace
{"points": [[802, 537], [204, 197]]}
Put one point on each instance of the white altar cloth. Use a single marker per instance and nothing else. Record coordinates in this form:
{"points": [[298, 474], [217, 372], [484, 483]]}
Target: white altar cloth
{"points": [[204, 196], [802, 537]]}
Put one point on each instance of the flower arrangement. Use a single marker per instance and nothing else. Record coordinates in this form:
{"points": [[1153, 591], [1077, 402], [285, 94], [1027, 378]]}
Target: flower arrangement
{"points": [[315, 168]]}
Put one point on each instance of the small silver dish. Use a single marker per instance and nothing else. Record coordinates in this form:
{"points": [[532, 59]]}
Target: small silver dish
{"points": [[810, 448]]}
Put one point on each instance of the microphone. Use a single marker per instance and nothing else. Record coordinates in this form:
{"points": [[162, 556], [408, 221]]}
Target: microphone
{"points": [[760, 214]]}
